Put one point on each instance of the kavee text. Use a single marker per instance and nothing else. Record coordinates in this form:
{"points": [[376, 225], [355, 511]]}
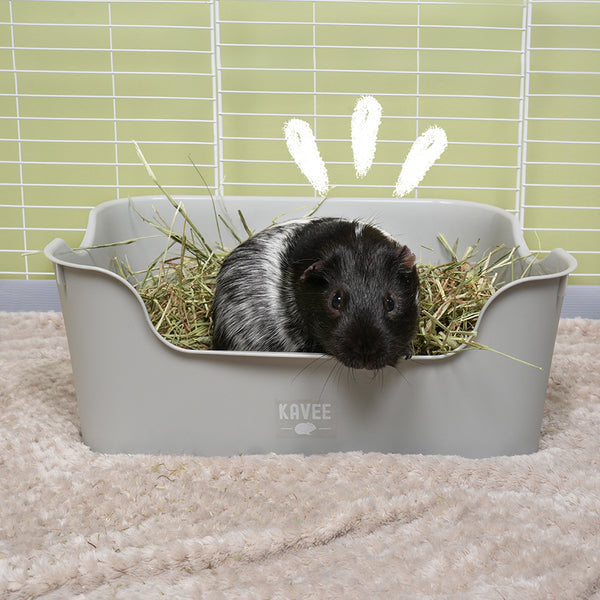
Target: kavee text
{"points": [[306, 418]]}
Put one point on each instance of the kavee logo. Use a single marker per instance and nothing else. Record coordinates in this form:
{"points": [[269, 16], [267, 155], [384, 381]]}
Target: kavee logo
{"points": [[306, 418]]}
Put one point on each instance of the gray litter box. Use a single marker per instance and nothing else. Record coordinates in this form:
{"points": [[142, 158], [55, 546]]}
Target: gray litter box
{"points": [[138, 393]]}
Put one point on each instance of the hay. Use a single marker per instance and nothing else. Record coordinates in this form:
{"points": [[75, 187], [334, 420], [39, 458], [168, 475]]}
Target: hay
{"points": [[453, 295], [178, 293], [178, 296]]}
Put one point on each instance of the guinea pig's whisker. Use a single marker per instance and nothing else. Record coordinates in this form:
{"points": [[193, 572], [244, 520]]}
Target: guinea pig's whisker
{"points": [[375, 373], [352, 375], [379, 375], [311, 363], [399, 371], [337, 366], [374, 376]]}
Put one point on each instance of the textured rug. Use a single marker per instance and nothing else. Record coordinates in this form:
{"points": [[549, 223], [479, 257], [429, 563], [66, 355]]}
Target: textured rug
{"points": [[77, 524]]}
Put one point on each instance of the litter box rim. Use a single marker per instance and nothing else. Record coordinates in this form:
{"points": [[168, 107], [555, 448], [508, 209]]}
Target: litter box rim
{"points": [[58, 247]]}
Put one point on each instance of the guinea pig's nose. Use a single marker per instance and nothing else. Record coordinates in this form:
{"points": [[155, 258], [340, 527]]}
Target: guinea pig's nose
{"points": [[356, 361], [368, 351]]}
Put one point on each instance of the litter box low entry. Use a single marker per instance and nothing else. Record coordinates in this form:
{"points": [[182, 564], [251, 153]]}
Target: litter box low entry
{"points": [[139, 393]]}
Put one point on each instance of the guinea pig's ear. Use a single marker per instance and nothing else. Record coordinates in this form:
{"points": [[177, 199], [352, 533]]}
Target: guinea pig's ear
{"points": [[315, 270], [406, 257]]}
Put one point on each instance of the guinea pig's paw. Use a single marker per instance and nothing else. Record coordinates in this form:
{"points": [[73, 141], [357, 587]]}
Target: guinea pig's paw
{"points": [[406, 354]]}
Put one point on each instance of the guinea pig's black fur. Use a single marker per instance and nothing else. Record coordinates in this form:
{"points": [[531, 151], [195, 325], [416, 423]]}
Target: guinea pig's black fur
{"points": [[326, 285]]}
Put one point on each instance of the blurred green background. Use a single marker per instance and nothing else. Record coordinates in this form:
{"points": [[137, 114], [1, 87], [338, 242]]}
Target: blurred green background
{"points": [[515, 85]]}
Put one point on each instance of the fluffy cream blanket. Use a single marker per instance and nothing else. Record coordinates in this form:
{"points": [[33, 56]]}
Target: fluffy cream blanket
{"points": [[76, 524]]}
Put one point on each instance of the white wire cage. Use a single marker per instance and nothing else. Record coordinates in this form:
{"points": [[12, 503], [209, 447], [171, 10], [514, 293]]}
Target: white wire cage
{"points": [[515, 85]]}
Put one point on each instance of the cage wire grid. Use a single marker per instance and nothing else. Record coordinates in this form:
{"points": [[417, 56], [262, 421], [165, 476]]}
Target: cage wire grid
{"points": [[514, 84]]}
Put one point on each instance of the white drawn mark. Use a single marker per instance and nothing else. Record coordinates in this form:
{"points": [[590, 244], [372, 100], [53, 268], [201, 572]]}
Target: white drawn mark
{"points": [[302, 146], [366, 119], [426, 149]]}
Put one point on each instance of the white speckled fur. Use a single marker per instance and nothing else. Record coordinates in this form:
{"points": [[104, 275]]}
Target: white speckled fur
{"points": [[240, 318]]}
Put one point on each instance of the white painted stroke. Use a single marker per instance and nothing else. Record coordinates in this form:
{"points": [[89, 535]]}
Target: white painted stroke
{"points": [[426, 149], [302, 146], [366, 119]]}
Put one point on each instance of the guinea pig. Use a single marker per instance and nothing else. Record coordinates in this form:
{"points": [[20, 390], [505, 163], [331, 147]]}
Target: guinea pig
{"points": [[326, 285]]}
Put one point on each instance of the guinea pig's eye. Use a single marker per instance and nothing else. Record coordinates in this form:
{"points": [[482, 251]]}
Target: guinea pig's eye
{"points": [[336, 300], [389, 303]]}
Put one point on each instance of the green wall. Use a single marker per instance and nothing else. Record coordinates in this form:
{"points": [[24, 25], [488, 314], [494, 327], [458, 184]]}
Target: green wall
{"points": [[515, 85]]}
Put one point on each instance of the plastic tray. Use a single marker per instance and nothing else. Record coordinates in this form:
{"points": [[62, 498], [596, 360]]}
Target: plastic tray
{"points": [[137, 393]]}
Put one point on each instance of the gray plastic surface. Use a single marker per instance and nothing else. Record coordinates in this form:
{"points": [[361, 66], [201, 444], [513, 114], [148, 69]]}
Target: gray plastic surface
{"points": [[137, 393]]}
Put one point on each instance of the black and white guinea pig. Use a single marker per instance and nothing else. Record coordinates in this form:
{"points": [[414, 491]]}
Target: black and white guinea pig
{"points": [[326, 285]]}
